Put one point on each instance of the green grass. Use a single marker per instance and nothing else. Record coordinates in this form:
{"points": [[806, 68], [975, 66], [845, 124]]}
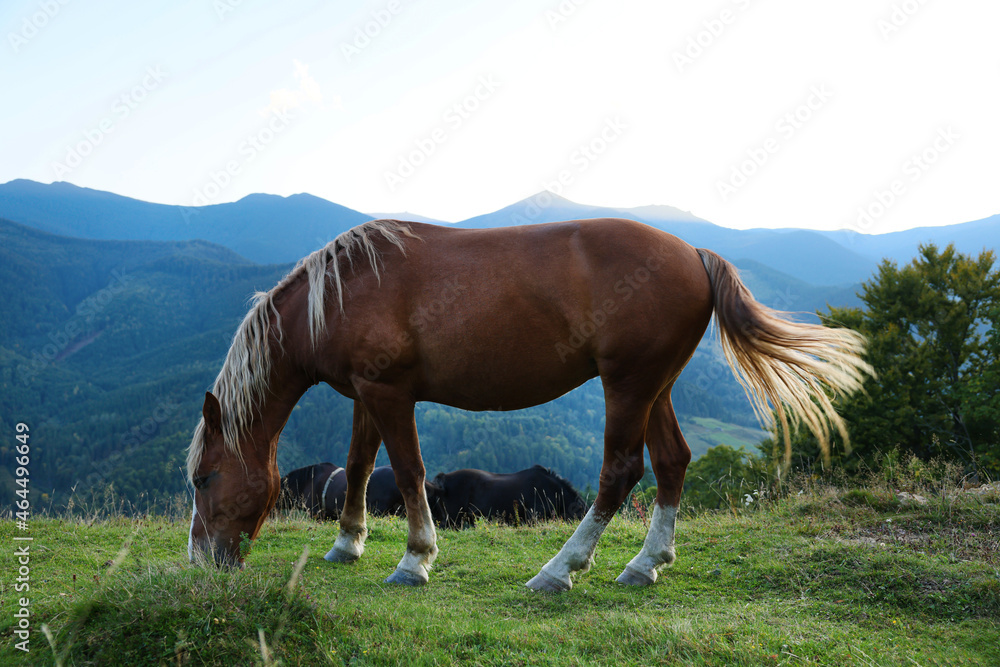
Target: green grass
{"points": [[704, 432], [825, 577]]}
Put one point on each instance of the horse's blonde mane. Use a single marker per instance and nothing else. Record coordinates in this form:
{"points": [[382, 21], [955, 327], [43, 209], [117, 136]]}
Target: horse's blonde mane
{"points": [[243, 380]]}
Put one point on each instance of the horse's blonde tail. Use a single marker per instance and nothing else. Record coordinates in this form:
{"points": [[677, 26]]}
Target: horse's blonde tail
{"points": [[794, 367]]}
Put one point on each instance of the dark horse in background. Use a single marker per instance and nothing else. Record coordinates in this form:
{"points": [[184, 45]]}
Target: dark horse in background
{"points": [[455, 498], [320, 490], [392, 313], [526, 496], [307, 488]]}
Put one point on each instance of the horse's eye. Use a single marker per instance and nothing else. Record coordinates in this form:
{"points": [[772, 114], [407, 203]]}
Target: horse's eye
{"points": [[201, 480]]}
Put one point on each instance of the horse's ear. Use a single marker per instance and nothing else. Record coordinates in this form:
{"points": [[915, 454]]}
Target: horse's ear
{"points": [[439, 482], [212, 412]]}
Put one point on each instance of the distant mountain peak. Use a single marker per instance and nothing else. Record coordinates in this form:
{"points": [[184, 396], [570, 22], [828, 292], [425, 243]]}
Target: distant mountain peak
{"points": [[648, 213], [259, 197], [307, 197], [549, 198], [264, 228], [547, 206]]}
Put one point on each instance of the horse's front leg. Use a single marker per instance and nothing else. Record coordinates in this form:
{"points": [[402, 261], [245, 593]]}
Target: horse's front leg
{"points": [[394, 416], [365, 439], [421, 543]]}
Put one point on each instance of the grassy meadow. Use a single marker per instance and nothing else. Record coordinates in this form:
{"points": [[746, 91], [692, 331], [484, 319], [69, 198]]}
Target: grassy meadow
{"points": [[819, 576], [704, 432]]}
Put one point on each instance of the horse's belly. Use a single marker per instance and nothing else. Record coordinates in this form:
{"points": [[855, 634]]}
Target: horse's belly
{"points": [[498, 381]]}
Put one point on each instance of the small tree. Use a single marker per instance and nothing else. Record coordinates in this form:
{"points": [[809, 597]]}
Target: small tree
{"points": [[936, 391]]}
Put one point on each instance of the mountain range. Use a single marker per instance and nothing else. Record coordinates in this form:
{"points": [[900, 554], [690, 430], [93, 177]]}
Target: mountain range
{"points": [[273, 229]]}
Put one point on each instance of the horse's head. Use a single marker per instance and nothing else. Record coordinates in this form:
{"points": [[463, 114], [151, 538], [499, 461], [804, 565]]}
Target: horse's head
{"points": [[573, 504], [232, 497]]}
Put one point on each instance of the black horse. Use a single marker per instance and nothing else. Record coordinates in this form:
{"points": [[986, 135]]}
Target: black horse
{"points": [[531, 495], [320, 489]]}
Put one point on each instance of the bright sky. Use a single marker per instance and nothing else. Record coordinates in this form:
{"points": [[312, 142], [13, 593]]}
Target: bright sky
{"points": [[877, 115]]}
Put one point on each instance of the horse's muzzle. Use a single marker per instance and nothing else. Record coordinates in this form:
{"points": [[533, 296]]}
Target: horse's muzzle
{"points": [[205, 552]]}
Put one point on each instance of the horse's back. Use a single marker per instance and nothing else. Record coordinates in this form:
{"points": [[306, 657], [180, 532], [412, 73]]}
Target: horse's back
{"points": [[531, 494]]}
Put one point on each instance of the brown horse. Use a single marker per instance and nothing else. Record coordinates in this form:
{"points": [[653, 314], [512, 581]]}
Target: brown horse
{"points": [[392, 313]]}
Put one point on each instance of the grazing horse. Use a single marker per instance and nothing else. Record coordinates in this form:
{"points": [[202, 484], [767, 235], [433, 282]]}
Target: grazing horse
{"points": [[320, 489], [526, 496], [392, 313]]}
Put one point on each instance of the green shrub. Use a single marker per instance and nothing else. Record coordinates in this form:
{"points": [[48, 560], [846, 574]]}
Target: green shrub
{"points": [[724, 478]]}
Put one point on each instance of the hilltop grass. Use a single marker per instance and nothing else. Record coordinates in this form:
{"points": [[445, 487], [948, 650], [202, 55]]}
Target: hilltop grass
{"points": [[826, 577], [705, 432]]}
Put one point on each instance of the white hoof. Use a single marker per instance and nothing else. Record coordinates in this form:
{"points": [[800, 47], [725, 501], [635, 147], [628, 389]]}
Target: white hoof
{"points": [[543, 581], [631, 577], [347, 548], [335, 555], [406, 578]]}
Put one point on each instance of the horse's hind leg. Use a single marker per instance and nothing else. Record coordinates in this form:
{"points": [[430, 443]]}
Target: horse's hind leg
{"points": [[621, 470], [670, 455], [365, 439]]}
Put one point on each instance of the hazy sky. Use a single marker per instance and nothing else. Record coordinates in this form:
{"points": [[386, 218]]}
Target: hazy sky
{"points": [[877, 115]]}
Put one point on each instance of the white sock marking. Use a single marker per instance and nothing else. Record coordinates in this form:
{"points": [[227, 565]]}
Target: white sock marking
{"points": [[420, 563], [658, 548], [577, 555]]}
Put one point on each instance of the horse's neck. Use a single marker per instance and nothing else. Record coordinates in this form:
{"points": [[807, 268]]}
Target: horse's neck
{"points": [[285, 387]]}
